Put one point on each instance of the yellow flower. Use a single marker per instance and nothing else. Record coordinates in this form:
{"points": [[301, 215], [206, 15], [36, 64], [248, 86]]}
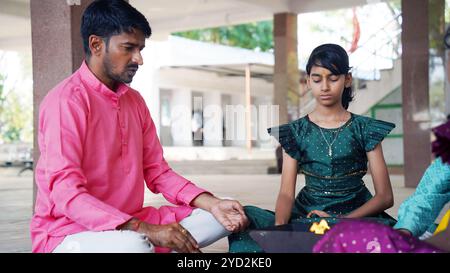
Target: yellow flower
{"points": [[319, 228]]}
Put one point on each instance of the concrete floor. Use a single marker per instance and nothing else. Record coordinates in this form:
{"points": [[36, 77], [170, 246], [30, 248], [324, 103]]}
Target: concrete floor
{"points": [[258, 190]]}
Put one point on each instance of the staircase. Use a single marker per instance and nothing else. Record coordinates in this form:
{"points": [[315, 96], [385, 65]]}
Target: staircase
{"points": [[368, 94], [375, 91]]}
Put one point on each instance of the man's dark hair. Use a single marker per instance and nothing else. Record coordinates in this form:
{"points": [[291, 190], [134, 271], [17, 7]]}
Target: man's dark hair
{"points": [[106, 18]]}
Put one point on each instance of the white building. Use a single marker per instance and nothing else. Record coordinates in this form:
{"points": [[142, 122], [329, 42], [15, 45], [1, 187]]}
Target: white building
{"points": [[189, 84]]}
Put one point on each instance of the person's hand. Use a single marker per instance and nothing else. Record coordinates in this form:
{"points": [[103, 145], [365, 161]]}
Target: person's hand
{"points": [[279, 223], [318, 213], [405, 231], [173, 236], [230, 214]]}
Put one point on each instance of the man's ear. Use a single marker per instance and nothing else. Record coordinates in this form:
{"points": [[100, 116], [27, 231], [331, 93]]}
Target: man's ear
{"points": [[96, 45], [348, 80]]}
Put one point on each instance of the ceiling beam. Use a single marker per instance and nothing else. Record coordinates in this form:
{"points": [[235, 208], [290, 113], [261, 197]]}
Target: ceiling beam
{"points": [[268, 5], [15, 8], [216, 19], [304, 6]]}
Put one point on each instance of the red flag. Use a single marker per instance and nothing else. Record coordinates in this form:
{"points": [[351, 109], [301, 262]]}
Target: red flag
{"points": [[356, 33]]}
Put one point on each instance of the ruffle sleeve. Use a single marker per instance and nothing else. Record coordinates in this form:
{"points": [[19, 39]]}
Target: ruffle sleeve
{"points": [[286, 136], [441, 146], [375, 131]]}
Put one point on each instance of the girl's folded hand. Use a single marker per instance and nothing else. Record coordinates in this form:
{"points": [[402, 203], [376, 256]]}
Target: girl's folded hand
{"points": [[319, 213]]}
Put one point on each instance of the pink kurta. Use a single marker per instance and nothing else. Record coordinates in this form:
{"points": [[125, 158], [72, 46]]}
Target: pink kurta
{"points": [[97, 148]]}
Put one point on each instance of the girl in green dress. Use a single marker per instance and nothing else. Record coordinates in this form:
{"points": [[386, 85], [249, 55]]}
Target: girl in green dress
{"points": [[331, 147]]}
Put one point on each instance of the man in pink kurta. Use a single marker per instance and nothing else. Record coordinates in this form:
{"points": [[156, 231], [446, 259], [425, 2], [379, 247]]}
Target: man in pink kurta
{"points": [[98, 145]]}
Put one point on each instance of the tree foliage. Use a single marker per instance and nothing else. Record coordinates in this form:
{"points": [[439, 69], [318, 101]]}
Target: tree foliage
{"points": [[15, 118], [256, 36]]}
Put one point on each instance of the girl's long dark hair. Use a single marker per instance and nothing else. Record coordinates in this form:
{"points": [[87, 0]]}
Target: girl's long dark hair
{"points": [[334, 58]]}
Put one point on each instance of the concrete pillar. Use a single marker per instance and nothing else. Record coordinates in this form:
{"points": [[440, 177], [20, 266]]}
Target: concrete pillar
{"points": [[57, 49], [213, 122], [415, 90], [181, 116], [286, 73]]}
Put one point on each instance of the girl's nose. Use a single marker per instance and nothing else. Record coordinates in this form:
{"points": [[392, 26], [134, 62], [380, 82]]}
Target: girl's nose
{"points": [[324, 86]]}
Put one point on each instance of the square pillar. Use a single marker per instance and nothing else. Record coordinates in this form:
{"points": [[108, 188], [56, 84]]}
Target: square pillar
{"points": [[415, 90], [56, 47], [286, 72]]}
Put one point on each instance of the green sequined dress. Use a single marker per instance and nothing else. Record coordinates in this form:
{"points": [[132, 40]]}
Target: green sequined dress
{"points": [[333, 178]]}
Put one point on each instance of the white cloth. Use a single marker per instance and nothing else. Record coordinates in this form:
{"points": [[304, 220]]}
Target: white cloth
{"points": [[200, 223], [111, 241], [204, 227]]}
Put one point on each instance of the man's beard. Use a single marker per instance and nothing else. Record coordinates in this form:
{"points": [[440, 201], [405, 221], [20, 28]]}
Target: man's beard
{"points": [[123, 77]]}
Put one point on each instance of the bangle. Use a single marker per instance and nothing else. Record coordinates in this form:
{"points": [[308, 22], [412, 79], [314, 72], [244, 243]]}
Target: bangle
{"points": [[135, 226]]}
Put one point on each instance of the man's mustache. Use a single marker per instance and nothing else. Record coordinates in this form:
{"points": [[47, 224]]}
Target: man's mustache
{"points": [[133, 67]]}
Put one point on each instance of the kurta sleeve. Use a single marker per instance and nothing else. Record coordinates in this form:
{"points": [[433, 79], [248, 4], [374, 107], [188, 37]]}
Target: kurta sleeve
{"points": [[62, 128], [159, 177], [441, 146], [288, 136], [419, 211], [375, 131]]}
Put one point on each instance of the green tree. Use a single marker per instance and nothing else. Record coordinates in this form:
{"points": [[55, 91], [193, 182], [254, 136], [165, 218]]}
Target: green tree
{"points": [[437, 26], [3, 103], [439, 15], [15, 117], [256, 36]]}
